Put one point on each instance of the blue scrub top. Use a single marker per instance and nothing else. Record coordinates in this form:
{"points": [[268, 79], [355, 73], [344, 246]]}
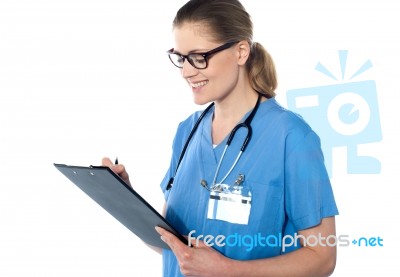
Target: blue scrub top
{"points": [[284, 170]]}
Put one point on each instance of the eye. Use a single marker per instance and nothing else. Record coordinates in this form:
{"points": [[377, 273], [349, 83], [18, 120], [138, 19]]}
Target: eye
{"points": [[198, 59], [179, 59]]}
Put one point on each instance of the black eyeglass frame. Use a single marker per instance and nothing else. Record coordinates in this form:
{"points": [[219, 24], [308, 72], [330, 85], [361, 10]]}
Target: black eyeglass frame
{"points": [[205, 55]]}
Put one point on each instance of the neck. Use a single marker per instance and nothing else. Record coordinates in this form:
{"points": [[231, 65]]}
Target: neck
{"points": [[233, 108], [228, 113]]}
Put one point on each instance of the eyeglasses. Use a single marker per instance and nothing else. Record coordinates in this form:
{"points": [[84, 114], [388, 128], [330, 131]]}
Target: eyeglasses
{"points": [[197, 60]]}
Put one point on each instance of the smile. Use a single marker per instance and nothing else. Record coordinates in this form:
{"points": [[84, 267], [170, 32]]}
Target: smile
{"points": [[199, 84]]}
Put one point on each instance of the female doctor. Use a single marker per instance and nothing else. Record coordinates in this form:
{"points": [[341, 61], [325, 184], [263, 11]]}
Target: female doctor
{"points": [[250, 188]]}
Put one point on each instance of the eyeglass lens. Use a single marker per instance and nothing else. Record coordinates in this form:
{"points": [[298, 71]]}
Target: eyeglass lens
{"points": [[196, 60]]}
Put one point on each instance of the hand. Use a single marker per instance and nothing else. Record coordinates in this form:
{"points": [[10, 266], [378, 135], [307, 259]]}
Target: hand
{"points": [[118, 169], [199, 260]]}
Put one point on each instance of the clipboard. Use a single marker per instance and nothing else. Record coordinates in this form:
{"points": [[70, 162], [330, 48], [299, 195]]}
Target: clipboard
{"points": [[121, 201]]}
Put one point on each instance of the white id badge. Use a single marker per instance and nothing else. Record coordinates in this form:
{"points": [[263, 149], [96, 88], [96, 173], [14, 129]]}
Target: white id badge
{"points": [[230, 207]]}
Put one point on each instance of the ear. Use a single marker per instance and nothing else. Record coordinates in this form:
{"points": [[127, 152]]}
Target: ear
{"points": [[243, 48]]}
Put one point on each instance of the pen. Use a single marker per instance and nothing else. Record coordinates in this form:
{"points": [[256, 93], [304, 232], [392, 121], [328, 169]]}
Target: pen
{"points": [[116, 160]]}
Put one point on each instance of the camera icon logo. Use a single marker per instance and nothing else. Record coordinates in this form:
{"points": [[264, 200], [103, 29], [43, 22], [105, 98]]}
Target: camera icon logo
{"points": [[344, 114]]}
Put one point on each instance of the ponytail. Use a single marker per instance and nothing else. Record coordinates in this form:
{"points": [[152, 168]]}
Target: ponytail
{"points": [[261, 70]]}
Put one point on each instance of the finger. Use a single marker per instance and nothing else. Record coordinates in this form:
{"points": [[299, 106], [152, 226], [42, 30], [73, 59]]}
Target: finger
{"points": [[106, 162], [117, 168], [121, 171], [193, 242], [162, 234], [173, 242], [197, 243]]}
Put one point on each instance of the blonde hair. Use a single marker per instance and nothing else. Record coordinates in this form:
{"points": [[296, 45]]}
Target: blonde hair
{"points": [[229, 21]]}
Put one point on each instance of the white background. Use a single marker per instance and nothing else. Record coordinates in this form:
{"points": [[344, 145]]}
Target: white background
{"points": [[84, 79]]}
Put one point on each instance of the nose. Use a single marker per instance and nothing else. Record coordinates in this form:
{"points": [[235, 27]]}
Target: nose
{"points": [[188, 70]]}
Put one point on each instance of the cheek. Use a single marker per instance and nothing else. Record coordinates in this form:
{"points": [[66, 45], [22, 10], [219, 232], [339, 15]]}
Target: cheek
{"points": [[223, 82], [224, 69], [228, 73]]}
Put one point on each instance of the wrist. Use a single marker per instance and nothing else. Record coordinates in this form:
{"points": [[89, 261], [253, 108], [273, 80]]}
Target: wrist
{"points": [[234, 268]]}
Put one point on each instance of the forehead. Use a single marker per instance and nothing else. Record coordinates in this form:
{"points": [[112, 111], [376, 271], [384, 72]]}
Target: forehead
{"points": [[193, 36]]}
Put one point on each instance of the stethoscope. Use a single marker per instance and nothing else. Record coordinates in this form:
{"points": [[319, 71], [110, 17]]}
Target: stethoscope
{"points": [[245, 124]]}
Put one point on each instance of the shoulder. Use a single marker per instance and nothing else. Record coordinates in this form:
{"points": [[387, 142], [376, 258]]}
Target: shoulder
{"points": [[187, 124], [185, 127], [289, 132], [282, 119], [283, 127]]}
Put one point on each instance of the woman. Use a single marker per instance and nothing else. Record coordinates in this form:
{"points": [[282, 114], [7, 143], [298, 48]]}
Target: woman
{"points": [[247, 214]]}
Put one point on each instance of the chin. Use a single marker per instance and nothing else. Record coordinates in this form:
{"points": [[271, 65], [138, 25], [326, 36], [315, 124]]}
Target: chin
{"points": [[200, 99]]}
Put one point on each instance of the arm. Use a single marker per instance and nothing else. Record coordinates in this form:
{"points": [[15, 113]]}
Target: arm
{"points": [[307, 261]]}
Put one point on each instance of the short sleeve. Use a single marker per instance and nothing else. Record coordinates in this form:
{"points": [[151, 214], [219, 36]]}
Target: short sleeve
{"points": [[308, 192]]}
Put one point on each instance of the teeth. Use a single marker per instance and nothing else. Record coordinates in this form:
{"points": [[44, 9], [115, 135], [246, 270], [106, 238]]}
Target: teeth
{"points": [[199, 84]]}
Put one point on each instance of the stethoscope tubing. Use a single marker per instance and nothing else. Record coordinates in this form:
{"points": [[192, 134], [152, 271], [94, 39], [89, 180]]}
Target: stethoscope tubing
{"points": [[246, 124]]}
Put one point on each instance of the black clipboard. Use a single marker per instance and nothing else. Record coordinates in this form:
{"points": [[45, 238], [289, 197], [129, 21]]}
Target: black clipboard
{"points": [[121, 201]]}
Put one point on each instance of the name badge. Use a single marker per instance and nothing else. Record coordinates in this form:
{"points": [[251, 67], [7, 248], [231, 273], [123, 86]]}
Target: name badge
{"points": [[230, 205]]}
